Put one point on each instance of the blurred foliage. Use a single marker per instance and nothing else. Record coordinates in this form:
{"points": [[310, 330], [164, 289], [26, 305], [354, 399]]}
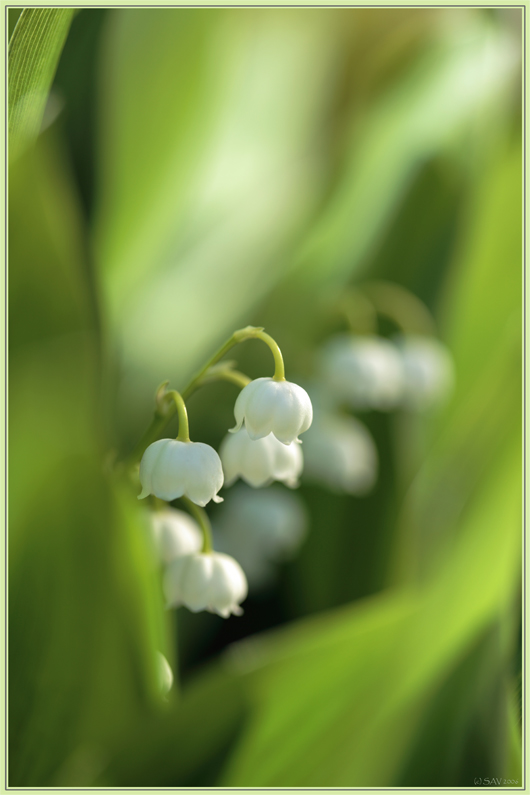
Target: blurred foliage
{"points": [[208, 168]]}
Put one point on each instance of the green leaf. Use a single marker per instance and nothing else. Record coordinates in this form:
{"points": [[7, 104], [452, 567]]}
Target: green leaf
{"points": [[206, 172], [447, 94], [34, 52], [338, 699], [86, 616]]}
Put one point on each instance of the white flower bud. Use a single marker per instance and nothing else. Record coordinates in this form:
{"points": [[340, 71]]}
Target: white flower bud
{"points": [[268, 406], [340, 454], [262, 528], [174, 533], [429, 371], [365, 372], [206, 581], [165, 674], [170, 469], [261, 461]]}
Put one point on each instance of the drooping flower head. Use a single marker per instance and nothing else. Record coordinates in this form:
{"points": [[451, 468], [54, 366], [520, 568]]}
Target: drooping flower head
{"points": [[366, 372], [428, 369], [171, 469], [340, 453], [269, 406], [206, 581], [174, 533], [261, 461], [262, 527]]}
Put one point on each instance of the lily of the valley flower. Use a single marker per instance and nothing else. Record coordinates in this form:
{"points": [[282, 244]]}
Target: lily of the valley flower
{"points": [[261, 461], [262, 527], [428, 368], [175, 534], [206, 581], [364, 371], [269, 406], [171, 469], [340, 454]]}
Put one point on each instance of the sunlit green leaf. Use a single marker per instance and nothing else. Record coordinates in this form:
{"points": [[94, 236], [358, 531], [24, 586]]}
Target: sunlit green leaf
{"points": [[34, 51]]}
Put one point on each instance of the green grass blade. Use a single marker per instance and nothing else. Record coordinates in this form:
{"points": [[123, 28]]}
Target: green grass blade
{"points": [[34, 51]]}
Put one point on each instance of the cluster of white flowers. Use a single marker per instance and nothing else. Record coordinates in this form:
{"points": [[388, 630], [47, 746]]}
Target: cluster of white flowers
{"points": [[358, 372], [270, 413], [364, 372], [200, 581], [369, 372], [269, 416]]}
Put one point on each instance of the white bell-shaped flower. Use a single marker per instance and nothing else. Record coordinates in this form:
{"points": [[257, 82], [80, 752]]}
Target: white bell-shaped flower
{"points": [[206, 581], [263, 528], [174, 534], [340, 453], [165, 674], [170, 469], [366, 372], [268, 406], [261, 461], [429, 371]]}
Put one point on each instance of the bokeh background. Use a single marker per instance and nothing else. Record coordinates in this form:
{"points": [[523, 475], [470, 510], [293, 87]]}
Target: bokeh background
{"points": [[176, 174]]}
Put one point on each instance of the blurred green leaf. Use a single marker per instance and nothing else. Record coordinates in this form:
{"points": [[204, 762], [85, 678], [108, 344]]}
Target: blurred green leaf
{"points": [[187, 745], [85, 608], [205, 177], [337, 699], [481, 313], [465, 730], [34, 51], [450, 92]]}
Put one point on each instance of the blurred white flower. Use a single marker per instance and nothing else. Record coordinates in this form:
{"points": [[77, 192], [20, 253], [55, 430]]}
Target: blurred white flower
{"points": [[170, 469], [262, 528], [261, 461], [268, 406], [165, 674], [366, 372], [206, 581], [340, 453], [429, 371], [174, 534]]}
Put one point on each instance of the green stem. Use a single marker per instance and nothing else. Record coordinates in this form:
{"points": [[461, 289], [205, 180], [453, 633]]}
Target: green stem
{"points": [[400, 306], [241, 335], [279, 367], [204, 523], [359, 311], [184, 428], [165, 413], [232, 376]]}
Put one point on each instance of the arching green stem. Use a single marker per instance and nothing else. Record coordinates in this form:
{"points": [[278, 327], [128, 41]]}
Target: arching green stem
{"points": [[359, 311], [279, 367], [232, 376], [400, 306], [184, 429], [204, 523], [207, 374], [241, 335]]}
